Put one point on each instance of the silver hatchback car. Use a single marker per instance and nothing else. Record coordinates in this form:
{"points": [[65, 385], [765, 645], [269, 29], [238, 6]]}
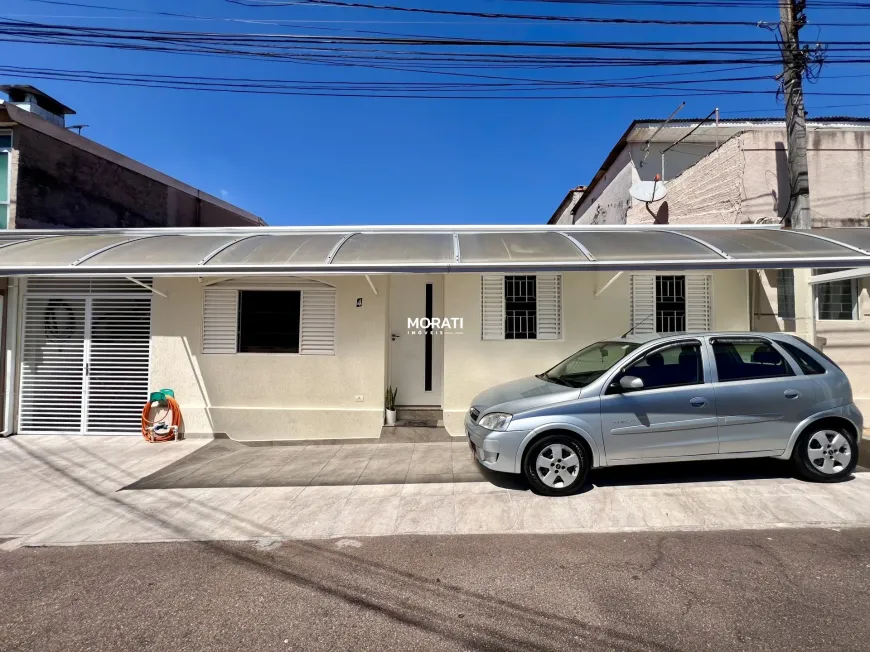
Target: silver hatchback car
{"points": [[638, 400]]}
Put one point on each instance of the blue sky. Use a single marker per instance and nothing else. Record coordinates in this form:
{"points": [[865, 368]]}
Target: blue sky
{"points": [[329, 160]]}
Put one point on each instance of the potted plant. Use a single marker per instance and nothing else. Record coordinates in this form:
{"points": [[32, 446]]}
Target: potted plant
{"points": [[390, 404]]}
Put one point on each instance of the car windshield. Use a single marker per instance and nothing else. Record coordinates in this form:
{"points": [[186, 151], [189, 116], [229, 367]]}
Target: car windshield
{"points": [[588, 364]]}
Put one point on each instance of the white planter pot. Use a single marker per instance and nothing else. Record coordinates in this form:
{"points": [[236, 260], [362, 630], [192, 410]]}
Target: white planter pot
{"points": [[391, 417]]}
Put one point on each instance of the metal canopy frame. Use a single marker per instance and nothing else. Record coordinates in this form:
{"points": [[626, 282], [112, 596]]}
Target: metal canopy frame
{"points": [[367, 250]]}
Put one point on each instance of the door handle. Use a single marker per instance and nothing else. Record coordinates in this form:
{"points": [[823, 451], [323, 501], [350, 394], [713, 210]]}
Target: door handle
{"points": [[791, 393], [698, 401], [394, 337]]}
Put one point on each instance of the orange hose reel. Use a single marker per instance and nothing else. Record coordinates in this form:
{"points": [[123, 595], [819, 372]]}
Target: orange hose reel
{"points": [[165, 426]]}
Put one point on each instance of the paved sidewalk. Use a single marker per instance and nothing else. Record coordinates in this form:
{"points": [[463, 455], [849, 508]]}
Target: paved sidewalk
{"points": [[74, 490]]}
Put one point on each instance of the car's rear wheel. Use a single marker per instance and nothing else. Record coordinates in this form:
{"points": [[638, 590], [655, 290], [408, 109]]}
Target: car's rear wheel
{"points": [[825, 454], [556, 465]]}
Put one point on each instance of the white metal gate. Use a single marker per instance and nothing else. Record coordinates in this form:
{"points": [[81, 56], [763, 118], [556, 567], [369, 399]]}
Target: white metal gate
{"points": [[85, 356]]}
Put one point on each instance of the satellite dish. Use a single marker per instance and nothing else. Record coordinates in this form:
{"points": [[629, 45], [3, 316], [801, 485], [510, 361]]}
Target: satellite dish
{"points": [[647, 191]]}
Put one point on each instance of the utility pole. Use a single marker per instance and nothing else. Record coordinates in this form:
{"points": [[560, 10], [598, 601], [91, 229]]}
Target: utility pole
{"points": [[794, 63]]}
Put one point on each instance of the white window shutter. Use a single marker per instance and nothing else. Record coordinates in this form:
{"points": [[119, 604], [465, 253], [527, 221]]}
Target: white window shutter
{"points": [[492, 307], [549, 306], [318, 323], [643, 303], [698, 302], [220, 321]]}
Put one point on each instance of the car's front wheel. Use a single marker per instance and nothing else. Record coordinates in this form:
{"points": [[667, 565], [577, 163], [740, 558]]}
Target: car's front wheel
{"points": [[826, 454], [556, 465]]}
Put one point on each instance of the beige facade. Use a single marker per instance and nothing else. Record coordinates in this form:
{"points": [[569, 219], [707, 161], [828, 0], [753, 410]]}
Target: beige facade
{"points": [[289, 396], [255, 396]]}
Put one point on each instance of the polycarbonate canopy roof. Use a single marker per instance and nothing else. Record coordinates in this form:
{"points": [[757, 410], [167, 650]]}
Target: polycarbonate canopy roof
{"points": [[370, 250]]}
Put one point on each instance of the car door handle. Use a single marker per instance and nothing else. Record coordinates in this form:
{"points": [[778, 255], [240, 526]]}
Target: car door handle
{"points": [[698, 401], [791, 393]]}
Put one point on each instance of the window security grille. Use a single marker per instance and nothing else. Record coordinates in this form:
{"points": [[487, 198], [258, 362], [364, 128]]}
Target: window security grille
{"points": [[521, 307], [670, 304], [836, 300], [785, 293]]}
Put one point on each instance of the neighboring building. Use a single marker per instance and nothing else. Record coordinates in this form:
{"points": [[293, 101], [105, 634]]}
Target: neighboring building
{"points": [[52, 178], [294, 333], [562, 215], [737, 173]]}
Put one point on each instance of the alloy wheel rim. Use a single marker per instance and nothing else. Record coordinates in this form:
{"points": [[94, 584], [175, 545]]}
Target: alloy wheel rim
{"points": [[829, 451], [557, 466]]}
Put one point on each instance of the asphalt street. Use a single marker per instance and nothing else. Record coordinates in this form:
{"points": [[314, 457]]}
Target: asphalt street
{"points": [[664, 592]]}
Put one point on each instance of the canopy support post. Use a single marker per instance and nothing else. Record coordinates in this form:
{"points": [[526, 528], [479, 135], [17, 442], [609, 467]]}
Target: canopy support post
{"points": [[372, 285], [146, 286], [612, 280]]}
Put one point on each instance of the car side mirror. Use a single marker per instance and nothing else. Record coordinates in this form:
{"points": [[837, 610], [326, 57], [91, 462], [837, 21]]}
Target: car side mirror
{"points": [[630, 382]]}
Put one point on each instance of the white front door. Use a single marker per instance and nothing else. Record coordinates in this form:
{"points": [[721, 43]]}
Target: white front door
{"points": [[416, 353]]}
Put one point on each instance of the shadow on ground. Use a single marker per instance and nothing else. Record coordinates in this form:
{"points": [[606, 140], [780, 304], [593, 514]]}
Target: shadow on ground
{"points": [[227, 463]]}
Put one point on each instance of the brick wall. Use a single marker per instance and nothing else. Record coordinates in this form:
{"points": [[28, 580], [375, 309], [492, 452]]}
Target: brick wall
{"points": [[59, 185], [709, 192]]}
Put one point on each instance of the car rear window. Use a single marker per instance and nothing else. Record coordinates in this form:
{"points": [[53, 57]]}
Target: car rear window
{"points": [[748, 359], [806, 362]]}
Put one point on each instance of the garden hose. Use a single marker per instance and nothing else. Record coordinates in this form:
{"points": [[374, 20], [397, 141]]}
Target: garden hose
{"points": [[164, 427]]}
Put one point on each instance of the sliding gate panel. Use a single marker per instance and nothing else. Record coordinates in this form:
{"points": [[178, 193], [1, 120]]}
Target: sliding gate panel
{"points": [[117, 367], [52, 365], [85, 358]]}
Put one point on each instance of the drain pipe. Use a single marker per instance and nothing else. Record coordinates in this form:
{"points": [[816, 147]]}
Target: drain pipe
{"points": [[11, 363]]}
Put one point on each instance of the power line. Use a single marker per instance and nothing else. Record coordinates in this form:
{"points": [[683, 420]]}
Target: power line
{"points": [[531, 18], [406, 90], [512, 16]]}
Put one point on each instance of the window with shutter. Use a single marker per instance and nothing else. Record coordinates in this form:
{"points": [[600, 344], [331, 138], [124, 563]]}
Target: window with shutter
{"points": [[318, 322], [670, 303], [229, 328], [492, 307], [698, 302], [549, 307], [521, 307], [220, 321], [643, 303]]}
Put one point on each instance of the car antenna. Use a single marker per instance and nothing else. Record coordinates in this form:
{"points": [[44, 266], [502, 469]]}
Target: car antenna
{"points": [[630, 330]]}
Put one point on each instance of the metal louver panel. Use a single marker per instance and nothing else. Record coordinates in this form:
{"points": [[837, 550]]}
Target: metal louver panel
{"points": [[549, 306], [220, 321], [492, 307], [66, 285], [52, 365], [318, 322], [643, 303], [698, 302], [117, 367], [85, 362]]}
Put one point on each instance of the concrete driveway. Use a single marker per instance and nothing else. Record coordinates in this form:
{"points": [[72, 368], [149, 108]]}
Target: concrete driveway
{"points": [[74, 490]]}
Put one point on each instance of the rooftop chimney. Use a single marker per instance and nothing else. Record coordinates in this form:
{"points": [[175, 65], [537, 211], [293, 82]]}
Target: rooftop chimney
{"points": [[34, 100]]}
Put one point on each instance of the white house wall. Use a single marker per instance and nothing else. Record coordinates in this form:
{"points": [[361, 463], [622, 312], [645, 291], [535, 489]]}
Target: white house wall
{"points": [[274, 396]]}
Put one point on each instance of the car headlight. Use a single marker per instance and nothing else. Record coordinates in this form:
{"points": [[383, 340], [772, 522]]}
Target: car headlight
{"points": [[495, 421]]}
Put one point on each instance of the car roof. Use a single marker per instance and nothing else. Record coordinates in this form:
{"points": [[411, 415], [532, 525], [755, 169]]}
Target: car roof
{"points": [[643, 338]]}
